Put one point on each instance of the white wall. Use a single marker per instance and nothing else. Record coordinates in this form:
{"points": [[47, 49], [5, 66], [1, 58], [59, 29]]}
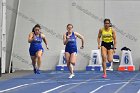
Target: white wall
{"points": [[125, 15], [85, 15]]}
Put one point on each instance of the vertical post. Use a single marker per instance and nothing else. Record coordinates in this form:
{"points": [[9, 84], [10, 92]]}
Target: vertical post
{"points": [[3, 58], [0, 34], [0, 66]]}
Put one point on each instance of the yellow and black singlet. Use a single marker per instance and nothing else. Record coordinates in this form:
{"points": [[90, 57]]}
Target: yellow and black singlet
{"points": [[107, 36]]}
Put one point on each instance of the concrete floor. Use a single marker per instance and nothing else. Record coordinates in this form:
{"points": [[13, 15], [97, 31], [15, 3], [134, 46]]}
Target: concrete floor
{"points": [[15, 74]]}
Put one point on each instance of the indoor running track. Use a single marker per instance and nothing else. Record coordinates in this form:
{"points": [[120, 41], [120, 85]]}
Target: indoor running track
{"points": [[83, 82]]}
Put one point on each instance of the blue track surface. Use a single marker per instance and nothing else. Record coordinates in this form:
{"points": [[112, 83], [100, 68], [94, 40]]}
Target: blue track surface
{"points": [[83, 82]]}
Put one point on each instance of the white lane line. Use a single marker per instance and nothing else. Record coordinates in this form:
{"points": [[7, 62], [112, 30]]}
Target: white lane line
{"points": [[68, 89], [53, 89], [126, 83], [19, 86], [76, 84], [61, 86], [105, 86], [138, 91]]}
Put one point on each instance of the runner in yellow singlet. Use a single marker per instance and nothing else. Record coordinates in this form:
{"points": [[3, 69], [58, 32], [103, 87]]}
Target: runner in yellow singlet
{"points": [[108, 44]]}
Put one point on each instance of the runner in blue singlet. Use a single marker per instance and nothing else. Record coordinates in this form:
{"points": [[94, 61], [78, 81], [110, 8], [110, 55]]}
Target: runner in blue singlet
{"points": [[69, 39], [36, 50]]}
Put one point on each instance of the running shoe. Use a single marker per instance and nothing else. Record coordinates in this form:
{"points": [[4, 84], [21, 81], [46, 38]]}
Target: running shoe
{"points": [[37, 71], [71, 76], [104, 76]]}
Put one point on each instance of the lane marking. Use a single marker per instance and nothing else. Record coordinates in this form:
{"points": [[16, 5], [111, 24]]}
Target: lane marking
{"points": [[126, 83], [138, 91], [19, 86], [105, 86], [61, 86], [80, 84]]}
